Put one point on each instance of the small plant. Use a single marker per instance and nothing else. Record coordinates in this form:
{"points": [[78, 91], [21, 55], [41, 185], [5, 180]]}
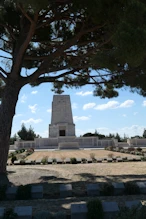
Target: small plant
{"points": [[23, 192], [131, 149], [29, 151], [44, 160], [110, 155], [22, 162], [95, 209], [107, 189], [13, 158], [92, 156], [143, 158], [63, 158], [84, 160], [139, 149], [3, 189], [73, 160], [9, 214], [136, 212], [54, 161], [43, 215], [131, 188]]}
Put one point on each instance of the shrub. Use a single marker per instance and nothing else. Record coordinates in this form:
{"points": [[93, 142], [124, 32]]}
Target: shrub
{"points": [[110, 155], [22, 162], [84, 160], [92, 156], [13, 158], [30, 150], [107, 189], [43, 215], [121, 148], [131, 188], [73, 160], [3, 189], [23, 192], [22, 150], [131, 149], [133, 213], [143, 158], [9, 214], [139, 149], [54, 160], [63, 158], [95, 210], [44, 160]]}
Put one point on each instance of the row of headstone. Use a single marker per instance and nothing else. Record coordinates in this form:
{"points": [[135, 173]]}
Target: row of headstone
{"points": [[110, 209], [78, 211], [79, 160], [36, 192], [66, 190], [23, 212], [94, 189]]}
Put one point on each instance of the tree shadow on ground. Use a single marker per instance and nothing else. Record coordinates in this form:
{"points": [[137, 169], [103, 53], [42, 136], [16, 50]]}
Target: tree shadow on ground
{"points": [[79, 183], [4, 180]]}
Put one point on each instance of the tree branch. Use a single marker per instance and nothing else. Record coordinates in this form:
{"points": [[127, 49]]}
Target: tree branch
{"points": [[25, 14], [52, 79], [2, 77], [21, 46], [10, 30], [5, 57], [3, 71]]}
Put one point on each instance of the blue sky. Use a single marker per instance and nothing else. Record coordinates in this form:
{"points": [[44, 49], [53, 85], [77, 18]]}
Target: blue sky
{"points": [[124, 114]]}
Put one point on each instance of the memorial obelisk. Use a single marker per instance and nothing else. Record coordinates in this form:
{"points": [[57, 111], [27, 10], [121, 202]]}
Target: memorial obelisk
{"points": [[62, 119]]}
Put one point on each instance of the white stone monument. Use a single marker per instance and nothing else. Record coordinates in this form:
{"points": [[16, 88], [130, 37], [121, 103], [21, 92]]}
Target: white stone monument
{"points": [[62, 119]]}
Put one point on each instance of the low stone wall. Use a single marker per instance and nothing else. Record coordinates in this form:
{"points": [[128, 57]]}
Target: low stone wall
{"points": [[53, 143], [137, 142]]}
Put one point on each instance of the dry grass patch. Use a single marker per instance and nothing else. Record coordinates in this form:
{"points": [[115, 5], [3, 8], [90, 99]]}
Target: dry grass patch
{"points": [[75, 153]]}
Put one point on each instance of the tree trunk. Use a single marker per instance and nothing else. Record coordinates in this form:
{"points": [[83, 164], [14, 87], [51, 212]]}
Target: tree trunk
{"points": [[7, 112]]}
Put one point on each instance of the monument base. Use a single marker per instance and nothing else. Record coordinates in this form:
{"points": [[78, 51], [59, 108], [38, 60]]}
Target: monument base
{"points": [[68, 145]]}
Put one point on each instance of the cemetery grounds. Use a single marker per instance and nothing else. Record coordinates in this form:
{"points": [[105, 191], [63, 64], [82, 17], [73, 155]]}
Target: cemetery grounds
{"points": [[51, 176]]}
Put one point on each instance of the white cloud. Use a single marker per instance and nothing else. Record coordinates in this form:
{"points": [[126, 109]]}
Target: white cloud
{"points": [[34, 92], [49, 110], [144, 103], [135, 113], [109, 105], [31, 120], [114, 105], [129, 130], [127, 103], [74, 106], [33, 108], [83, 118], [81, 93], [132, 130], [89, 106], [124, 115], [23, 98]]}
